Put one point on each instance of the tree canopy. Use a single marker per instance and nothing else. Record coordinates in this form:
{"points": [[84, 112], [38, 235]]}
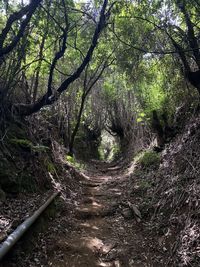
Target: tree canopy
{"points": [[126, 58]]}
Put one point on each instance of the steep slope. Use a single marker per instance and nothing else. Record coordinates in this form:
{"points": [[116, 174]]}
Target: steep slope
{"points": [[171, 197]]}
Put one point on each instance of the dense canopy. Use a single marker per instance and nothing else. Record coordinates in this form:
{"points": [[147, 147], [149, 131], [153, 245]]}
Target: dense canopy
{"points": [[117, 61]]}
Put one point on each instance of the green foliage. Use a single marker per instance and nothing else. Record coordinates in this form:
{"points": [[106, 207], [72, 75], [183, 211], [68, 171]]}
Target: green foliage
{"points": [[156, 79], [115, 86], [23, 143], [50, 166], [101, 153], [70, 159], [40, 148], [149, 159], [108, 148], [27, 144], [73, 162], [115, 152], [140, 79], [145, 184]]}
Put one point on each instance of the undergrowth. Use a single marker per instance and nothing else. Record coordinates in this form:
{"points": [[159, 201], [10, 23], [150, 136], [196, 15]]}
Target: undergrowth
{"points": [[74, 163], [148, 159]]}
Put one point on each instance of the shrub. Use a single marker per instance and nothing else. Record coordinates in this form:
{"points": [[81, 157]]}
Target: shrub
{"points": [[73, 162], [70, 159], [149, 158], [50, 166], [23, 143]]}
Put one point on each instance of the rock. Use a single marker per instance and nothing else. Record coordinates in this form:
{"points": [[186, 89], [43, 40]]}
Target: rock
{"points": [[135, 209], [127, 213], [106, 248]]}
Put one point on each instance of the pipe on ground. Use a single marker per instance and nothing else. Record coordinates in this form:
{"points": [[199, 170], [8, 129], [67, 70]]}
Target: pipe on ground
{"points": [[22, 228]]}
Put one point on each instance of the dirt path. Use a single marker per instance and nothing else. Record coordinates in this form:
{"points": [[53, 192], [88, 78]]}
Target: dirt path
{"points": [[100, 230], [104, 233], [91, 244]]}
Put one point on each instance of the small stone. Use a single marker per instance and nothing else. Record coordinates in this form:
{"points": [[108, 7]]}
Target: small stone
{"points": [[127, 213], [135, 210], [36, 260]]}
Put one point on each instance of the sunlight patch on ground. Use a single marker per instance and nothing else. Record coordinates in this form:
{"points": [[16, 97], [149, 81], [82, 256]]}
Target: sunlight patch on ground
{"points": [[131, 169], [91, 208], [89, 226], [115, 190], [105, 264], [110, 264], [114, 168], [95, 244], [55, 184], [95, 204]]}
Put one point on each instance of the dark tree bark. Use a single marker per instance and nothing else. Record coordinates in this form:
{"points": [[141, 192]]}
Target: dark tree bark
{"points": [[40, 55], [168, 131], [47, 99], [27, 11], [74, 133], [190, 33], [157, 128], [86, 90], [37, 74], [192, 76]]}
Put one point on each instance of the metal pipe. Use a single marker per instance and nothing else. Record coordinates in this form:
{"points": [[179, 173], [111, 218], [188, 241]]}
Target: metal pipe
{"points": [[22, 228]]}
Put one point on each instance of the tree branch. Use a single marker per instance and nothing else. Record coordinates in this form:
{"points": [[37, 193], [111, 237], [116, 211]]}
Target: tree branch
{"points": [[27, 11], [25, 110], [59, 54]]}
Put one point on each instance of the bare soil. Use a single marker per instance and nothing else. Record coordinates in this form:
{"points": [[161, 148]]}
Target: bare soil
{"points": [[102, 227]]}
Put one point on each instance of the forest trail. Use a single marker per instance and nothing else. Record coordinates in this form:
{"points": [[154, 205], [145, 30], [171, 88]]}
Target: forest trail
{"points": [[104, 233], [101, 227], [103, 79]]}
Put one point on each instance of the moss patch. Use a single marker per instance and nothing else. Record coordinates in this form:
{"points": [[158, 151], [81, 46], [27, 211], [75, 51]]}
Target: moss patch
{"points": [[149, 159]]}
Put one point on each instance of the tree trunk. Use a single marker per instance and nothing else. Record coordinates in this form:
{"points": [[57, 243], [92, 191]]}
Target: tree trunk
{"points": [[158, 129], [72, 139]]}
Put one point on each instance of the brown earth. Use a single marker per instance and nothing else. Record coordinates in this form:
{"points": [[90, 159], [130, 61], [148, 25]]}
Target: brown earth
{"points": [[102, 227]]}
